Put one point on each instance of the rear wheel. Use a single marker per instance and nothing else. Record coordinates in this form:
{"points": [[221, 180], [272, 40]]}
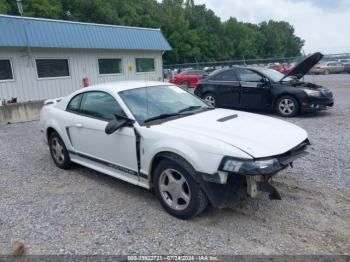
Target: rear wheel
{"points": [[177, 191], [210, 99], [59, 152], [326, 72], [287, 106], [185, 84]]}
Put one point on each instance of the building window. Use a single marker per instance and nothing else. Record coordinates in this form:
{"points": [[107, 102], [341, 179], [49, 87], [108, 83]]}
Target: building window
{"points": [[6, 70], [108, 66], [52, 68], [144, 65]]}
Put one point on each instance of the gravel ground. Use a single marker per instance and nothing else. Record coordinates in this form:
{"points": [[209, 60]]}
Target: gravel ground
{"points": [[84, 212]]}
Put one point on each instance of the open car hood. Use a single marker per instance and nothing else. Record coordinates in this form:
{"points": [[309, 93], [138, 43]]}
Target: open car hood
{"points": [[304, 66]]}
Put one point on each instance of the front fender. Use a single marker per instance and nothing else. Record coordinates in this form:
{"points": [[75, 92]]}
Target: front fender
{"points": [[201, 161]]}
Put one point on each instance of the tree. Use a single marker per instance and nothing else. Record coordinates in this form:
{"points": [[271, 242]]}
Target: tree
{"points": [[4, 7], [280, 39], [194, 31], [43, 8]]}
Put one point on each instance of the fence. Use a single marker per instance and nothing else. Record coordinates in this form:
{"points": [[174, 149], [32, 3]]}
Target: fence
{"points": [[245, 62]]}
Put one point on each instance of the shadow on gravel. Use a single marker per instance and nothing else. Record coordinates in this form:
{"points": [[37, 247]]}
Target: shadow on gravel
{"points": [[211, 216], [112, 182], [319, 114]]}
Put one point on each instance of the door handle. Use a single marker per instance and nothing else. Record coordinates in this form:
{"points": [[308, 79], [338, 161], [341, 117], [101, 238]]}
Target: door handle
{"points": [[79, 125]]}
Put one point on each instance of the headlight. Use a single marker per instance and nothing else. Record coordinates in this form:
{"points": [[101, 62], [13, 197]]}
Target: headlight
{"points": [[250, 167], [314, 93]]}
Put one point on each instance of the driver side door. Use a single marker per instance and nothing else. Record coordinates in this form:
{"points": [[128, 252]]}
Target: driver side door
{"points": [[227, 88], [116, 152], [255, 92]]}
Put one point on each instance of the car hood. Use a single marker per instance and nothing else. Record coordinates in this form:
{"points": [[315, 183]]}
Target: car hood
{"points": [[257, 135], [304, 66]]}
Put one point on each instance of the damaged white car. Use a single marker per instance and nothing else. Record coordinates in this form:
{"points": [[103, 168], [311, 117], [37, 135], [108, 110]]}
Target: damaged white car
{"points": [[160, 137]]}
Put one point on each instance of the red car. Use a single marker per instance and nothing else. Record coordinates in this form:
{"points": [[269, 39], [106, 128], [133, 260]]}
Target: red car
{"points": [[188, 78], [280, 68]]}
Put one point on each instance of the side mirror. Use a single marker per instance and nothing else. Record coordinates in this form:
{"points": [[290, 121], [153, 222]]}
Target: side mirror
{"points": [[116, 124], [264, 82]]}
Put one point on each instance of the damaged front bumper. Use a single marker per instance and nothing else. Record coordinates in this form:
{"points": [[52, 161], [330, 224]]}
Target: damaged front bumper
{"points": [[226, 188]]}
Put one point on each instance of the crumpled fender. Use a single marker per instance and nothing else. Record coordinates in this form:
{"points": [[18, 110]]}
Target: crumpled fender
{"points": [[203, 162]]}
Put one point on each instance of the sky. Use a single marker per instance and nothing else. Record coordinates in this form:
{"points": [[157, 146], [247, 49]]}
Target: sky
{"points": [[323, 24]]}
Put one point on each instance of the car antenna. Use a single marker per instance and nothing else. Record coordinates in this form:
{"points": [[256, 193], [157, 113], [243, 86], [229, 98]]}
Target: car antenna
{"points": [[147, 101]]}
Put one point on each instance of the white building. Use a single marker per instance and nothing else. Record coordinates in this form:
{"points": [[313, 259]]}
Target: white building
{"points": [[42, 58]]}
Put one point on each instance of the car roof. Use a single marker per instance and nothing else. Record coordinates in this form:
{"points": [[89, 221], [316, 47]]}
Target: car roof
{"points": [[112, 88], [218, 71], [254, 68], [190, 69], [118, 86]]}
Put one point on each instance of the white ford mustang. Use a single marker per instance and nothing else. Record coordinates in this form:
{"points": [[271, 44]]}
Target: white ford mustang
{"points": [[160, 137]]}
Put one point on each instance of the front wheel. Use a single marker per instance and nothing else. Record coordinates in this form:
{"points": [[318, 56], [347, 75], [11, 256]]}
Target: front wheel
{"points": [[177, 191], [287, 106], [210, 99]]}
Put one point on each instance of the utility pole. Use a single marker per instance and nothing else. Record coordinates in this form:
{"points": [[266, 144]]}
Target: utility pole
{"points": [[19, 6], [20, 11], [190, 3]]}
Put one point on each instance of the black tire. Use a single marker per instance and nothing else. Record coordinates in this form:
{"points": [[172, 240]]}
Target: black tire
{"points": [[210, 99], [293, 107], [185, 84], [197, 202], [63, 162]]}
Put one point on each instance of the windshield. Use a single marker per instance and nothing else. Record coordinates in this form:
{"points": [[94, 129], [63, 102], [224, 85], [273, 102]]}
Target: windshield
{"points": [[149, 103], [274, 75]]}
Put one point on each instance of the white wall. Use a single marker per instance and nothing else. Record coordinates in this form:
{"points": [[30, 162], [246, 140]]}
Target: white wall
{"points": [[27, 87]]}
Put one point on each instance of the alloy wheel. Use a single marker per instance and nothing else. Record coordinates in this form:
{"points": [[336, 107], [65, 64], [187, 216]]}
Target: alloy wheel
{"points": [[286, 106], [210, 100], [174, 189], [57, 150]]}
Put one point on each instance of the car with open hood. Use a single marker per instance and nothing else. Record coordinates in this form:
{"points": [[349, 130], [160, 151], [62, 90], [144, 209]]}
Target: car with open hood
{"points": [[266, 89], [160, 137]]}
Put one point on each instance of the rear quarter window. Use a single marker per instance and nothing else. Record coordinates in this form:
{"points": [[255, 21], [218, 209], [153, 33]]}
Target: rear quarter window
{"points": [[74, 103], [229, 75]]}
